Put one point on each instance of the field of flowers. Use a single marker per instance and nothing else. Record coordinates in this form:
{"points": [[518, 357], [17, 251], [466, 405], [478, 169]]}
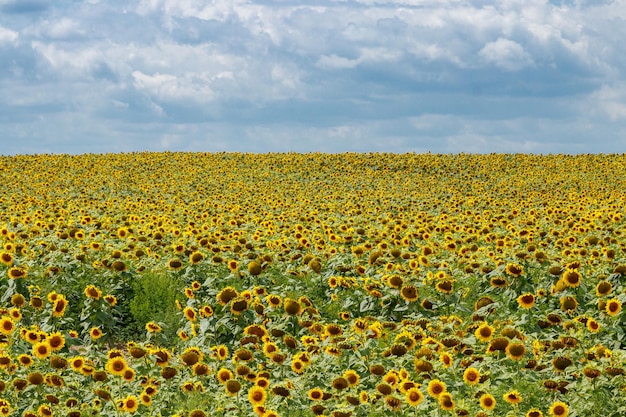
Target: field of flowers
{"points": [[187, 284]]}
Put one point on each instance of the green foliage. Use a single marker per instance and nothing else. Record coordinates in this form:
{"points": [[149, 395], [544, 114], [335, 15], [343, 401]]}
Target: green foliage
{"points": [[154, 299]]}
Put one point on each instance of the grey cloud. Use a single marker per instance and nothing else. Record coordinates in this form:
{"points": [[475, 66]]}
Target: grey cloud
{"points": [[330, 75]]}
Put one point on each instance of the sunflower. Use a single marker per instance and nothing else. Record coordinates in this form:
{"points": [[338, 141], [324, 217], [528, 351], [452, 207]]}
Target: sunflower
{"points": [[201, 369], [45, 410], [298, 366], [360, 325], [393, 403], [35, 378], [6, 325], [487, 402], [409, 293], [603, 288], [261, 380], [333, 282], [221, 351], [15, 313], [153, 327], [190, 313], [16, 272], [559, 409], [352, 377], [128, 375], [36, 302], [515, 351], [315, 394], [224, 375], [59, 305], [571, 277], [568, 303], [269, 349], [257, 395], [273, 300], [131, 404], [436, 388], [498, 282], [332, 329], [42, 349], [514, 269], [195, 258], [5, 361], [135, 350], [446, 359], [162, 355], [534, 412], [174, 264], [484, 332], [18, 300], [526, 300], [25, 360], [243, 354], [471, 376], [225, 295], [190, 357], [56, 341], [232, 387], [99, 375], [446, 286], [206, 311], [111, 299], [188, 386], [591, 373], [6, 258], [233, 265], [592, 325], [446, 402], [146, 400], [91, 291], [254, 268], [414, 397], [613, 307], [95, 333], [116, 366], [292, 307], [561, 362], [512, 397], [238, 305], [395, 281]]}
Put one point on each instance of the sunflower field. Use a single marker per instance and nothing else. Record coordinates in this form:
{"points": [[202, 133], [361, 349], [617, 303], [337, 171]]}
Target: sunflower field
{"points": [[230, 284]]}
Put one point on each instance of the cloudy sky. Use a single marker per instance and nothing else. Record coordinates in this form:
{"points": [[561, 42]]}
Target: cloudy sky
{"points": [[326, 75]]}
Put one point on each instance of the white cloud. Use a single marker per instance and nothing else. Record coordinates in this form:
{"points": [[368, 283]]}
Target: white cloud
{"points": [[336, 62], [8, 36], [506, 54], [609, 100], [58, 29], [178, 88]]}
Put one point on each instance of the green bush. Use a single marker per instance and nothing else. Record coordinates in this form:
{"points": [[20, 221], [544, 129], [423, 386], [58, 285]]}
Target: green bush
{"points": [[154, 299]]}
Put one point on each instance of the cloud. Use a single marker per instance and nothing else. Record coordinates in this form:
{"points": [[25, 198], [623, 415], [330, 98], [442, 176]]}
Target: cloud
{"points": [[8, 36], [401, 75], [506, 54], [57, 30], [608, 101]]}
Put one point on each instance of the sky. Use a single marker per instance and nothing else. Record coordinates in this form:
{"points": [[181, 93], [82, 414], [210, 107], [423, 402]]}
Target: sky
{"points": [[441, 76]]}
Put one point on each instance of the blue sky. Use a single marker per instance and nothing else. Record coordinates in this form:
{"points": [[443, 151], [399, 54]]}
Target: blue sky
{"points": [[330, 75]]}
